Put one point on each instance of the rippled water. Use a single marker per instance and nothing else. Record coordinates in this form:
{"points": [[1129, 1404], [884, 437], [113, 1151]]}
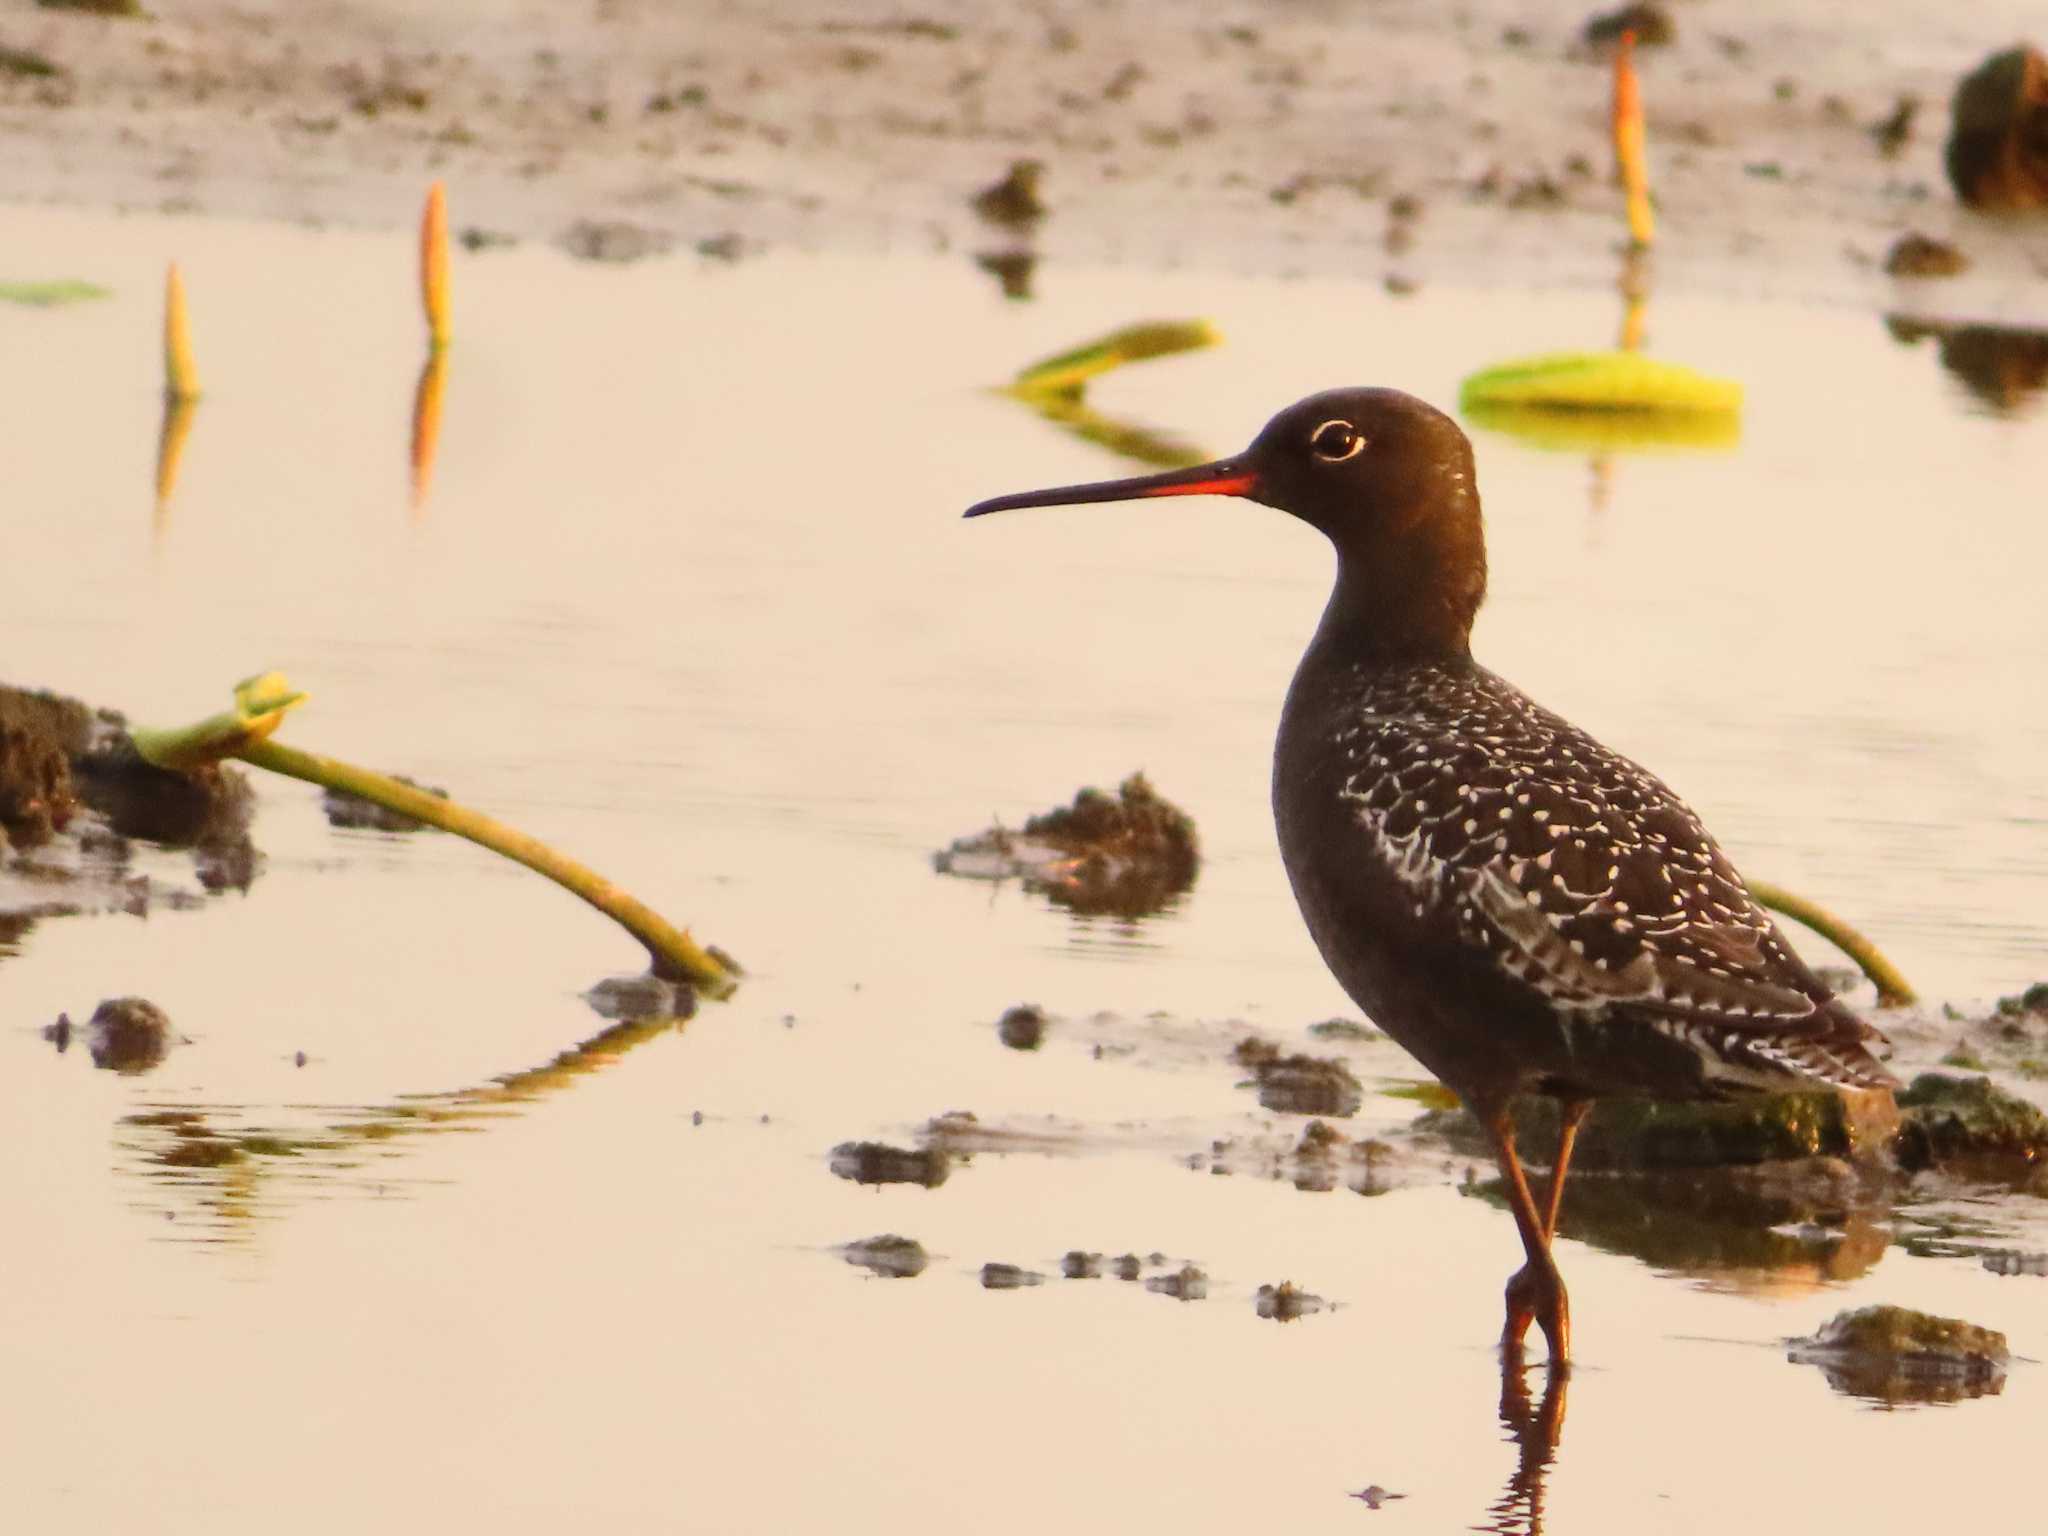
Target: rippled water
{"points": [[689, 596]]}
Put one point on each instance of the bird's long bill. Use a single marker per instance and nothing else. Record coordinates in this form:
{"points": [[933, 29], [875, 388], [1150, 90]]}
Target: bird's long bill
{"points": [[1224, 477]]}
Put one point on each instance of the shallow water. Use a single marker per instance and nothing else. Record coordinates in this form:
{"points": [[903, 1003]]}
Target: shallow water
{"points": [[690, 598]]}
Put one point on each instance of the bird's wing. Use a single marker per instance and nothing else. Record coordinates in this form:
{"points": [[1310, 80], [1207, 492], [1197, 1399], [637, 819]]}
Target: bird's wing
{"points": [[1585, 878]]}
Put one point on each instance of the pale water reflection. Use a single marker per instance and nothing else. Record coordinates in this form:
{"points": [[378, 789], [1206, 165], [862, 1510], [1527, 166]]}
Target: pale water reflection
{"points": [[690, 600]]}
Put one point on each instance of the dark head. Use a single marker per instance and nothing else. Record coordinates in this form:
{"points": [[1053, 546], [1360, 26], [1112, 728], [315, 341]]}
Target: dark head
{"points": [[1386, 478]]}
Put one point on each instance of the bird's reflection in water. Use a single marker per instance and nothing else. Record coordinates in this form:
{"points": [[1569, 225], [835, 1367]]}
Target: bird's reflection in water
{"points": [[1535, 1426]]}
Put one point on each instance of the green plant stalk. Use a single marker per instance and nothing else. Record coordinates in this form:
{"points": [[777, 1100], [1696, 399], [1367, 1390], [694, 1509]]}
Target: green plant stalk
{"points": [[675, 954], [1892, 988]]}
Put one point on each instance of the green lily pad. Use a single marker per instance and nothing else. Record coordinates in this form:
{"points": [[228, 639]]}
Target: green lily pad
{"points": [[1576, 429], [1601, 381]]}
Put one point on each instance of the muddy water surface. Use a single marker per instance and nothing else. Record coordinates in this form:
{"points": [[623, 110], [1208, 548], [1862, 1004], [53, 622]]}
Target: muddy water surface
{"points": [[689, 596]]}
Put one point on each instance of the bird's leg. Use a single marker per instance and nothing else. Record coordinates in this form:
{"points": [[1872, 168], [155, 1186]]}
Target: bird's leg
{"points": [[1572, 1113], [1525, 1287], [1536, 1293]]}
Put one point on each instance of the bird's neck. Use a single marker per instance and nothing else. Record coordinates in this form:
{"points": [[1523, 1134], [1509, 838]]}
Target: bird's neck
{"points": [[1405, 600]]}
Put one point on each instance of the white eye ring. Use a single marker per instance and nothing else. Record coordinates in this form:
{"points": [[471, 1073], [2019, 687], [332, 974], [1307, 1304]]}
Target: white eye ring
{"points": [[1352, 449]]}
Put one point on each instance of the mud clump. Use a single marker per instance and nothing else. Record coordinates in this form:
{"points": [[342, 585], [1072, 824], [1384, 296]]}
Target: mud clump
{"points": [[1184, 1284], [1012, 270], [1969, 1121], [2004, 366], [1285, 1302], [615, 241], [1298, 1084], [1895, 1356], [1126, 855], [1022, 1028], [128, 1035], [1918, 255], [890, 1256], [1997, 155], [874, 1162], [1008, 1277], [1652, 25], [1344, 1029], [1013, 202], [74, 790], [206, 809], [645, 996], [37, 798], [355, 814]]}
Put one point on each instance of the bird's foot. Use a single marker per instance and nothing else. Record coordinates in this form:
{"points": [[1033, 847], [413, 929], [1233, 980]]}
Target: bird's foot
{"points": [[1536, 1295]]}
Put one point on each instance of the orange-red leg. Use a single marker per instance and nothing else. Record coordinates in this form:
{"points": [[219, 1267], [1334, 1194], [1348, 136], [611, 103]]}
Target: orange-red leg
{"points": [[1536, 1294]]}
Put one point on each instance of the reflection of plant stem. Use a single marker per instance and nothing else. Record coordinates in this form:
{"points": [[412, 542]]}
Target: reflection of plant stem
{"points": [[239, 1157], [1892, 988], [675, 954], [170, 450], [426, 424], [1070, 410]]}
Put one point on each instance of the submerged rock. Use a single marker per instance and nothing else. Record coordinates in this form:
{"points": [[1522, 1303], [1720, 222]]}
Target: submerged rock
{"points": [[890, 1256], [2004, 366], [1123, 855], [1893, 1355], [1080, 1265], [874, 1162], [1997, 154]]}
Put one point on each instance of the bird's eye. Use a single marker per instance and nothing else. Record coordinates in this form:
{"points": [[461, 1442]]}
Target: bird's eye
{"points": [[1335, 441]]}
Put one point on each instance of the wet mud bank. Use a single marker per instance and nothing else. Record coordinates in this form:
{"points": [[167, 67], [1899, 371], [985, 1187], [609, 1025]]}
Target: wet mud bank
{"points": [[1786, 150]]}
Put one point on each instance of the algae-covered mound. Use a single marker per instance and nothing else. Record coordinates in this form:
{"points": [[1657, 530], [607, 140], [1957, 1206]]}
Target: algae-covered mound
{"points": [[1963, 1119], [1626, 1135], [1894, 1355], [1125, 855]]}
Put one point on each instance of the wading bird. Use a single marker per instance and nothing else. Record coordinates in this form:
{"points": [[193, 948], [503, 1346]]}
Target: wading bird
{"points": [[1525, 911]]}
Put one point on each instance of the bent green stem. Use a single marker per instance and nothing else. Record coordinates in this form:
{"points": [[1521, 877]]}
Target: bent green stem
{"points": [[262, 702], [1892, 988], [675, 954]]}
